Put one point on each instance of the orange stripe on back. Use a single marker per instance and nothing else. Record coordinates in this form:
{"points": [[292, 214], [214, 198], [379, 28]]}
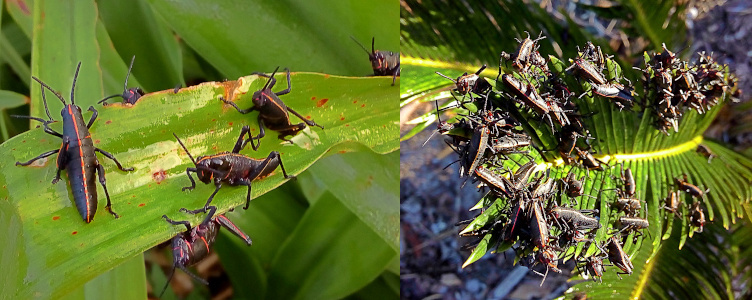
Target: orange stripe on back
{"points": [[219, 155], [83, 171], [276, 104], [268, 97]]}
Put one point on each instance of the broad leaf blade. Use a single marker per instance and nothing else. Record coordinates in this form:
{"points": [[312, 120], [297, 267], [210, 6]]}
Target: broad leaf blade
{"points": [[21, 12], [232, 45], [9, 99], [269, 221], [64, 36], [136, 30], [700, 271], [127, 281], [40, 214], [368, 185], [342, 255]]}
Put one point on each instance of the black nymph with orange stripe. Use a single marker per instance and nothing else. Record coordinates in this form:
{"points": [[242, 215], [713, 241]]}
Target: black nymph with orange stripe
{"points": [[76, 154], [231, 168], [129, 95], [193, 245], [273, 113], [384, 63]]}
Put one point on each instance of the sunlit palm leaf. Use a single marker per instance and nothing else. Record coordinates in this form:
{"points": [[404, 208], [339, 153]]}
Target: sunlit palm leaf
{"points": [[703, 269], [627, 137]]}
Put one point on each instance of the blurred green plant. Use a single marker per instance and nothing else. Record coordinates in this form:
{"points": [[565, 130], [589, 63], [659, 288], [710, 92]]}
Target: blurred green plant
{"points": [[340, 241]]}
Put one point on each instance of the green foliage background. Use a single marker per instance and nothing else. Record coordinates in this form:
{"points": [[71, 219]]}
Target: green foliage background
{"points": [[327, 235]]}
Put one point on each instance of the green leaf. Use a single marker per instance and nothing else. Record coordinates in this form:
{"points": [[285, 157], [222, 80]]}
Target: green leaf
{"points": [[113, 68], [236, 46], [9, 99], [127, 281], [385, 286], [158, 56], [273, 216], [475, 33], [702, 270], [342, 255], [21, 12], [78, 36], [14, 59], [368, 185], [65, 35], [269, 221], [158, 281], [37, 214]]}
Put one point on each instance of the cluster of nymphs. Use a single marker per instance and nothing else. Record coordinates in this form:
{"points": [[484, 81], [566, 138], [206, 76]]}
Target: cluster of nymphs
{"points": [[524, 208], [529, 216], [547, 98], [77, 155], [534, 212], [696, 215], [677, 85]]}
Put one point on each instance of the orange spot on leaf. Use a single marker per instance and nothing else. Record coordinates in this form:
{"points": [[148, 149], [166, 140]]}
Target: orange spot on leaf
{"points": [[74, 232], [55, 218], [322, 102], [108, 122], [230, 123], [159, 176], [342, 118], [355, 101], [342, 151], [141, 205], [313, 98], [363, 105], [97, 141]]}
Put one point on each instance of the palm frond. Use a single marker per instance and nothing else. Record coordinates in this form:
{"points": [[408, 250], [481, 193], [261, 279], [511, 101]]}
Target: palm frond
{"points": [[465, 36]]}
